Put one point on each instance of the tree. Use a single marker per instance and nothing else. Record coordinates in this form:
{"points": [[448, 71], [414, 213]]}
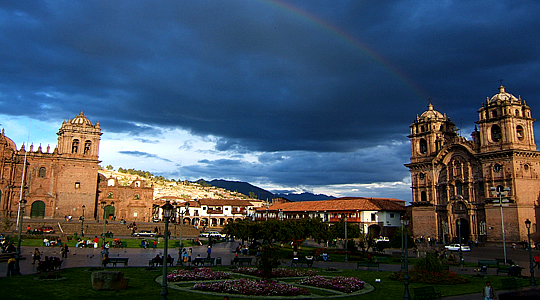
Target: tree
{"points": [[109, 167]]}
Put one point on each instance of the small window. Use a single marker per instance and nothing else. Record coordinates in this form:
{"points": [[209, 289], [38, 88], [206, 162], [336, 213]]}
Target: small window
{"points": [[373, 217], [391, 215], [519, 132], [75, 146], [423, 146], [77, 185], [423, 196], [109, 195], [136, 197], [87, 145], [459, 188], [137, 183], [110, 182], [42, 172], [496, 134]]}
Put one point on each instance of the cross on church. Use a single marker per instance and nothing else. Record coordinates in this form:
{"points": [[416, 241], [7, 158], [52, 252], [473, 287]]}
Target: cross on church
{"points": [[501, 81]]}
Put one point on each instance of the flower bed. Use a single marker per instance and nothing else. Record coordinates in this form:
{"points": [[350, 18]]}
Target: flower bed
{"points": [[339, 283], [196, 275], [251, 287], [277, 273], [444, 277]]}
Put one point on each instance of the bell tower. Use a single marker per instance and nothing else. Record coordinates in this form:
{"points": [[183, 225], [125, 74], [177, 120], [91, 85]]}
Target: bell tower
{"points": [[79, 138], [429, 133], [505, 124]]}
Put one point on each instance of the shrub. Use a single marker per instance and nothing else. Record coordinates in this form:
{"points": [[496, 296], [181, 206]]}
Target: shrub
{"points": [[430, 263]]}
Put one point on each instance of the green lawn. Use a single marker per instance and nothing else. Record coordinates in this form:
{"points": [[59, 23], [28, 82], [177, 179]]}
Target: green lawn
{"points": [[142, 286]]}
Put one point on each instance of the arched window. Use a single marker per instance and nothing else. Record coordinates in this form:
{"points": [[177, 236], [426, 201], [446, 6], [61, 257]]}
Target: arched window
{"points": [[87, 145], [423, 146], [519, 132], [496, 134], [109, 195], [75, 146], [137, 183], [459, 188], [136, 197], [110, 182], [42, 172]]}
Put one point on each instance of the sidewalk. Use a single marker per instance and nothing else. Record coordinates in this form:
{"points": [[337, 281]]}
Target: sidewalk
{"points": [[138, 257]]}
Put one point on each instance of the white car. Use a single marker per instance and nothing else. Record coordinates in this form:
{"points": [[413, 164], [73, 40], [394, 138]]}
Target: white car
{"points": [[455, 247], [213, 234], [382, 239], [144, 233]]}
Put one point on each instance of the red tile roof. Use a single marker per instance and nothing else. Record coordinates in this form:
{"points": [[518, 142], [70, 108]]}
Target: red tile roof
{"points": [[341, 204]]}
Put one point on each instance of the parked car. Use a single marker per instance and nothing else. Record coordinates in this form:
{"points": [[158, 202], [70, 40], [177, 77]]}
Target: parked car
{"points": [[144, 233], [382, 239], [455, 247], [46, 229], [214, 234]]}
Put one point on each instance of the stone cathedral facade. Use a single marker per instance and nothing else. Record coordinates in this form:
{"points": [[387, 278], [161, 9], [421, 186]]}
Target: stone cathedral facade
{"points": [[456, 182]]}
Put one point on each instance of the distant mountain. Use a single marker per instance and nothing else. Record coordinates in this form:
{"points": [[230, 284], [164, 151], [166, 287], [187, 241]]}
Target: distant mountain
{"points": [[242, 187], [305, 197]]}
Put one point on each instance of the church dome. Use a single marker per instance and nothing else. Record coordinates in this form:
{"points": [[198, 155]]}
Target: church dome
{"points": [[503, 96], [431, 114], [81, 120], [7, 141]]}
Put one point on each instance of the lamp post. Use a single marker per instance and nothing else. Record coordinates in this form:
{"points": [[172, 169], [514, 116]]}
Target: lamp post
{"points": [[167, 213], [103, 205], [346, 244], [406, 294], [460, 245], [182, 223], [82, 221], [22, 202], [501, 191], [531, 265]]}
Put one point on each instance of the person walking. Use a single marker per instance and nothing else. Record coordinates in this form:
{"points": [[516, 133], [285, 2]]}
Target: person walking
{"points": [[36, 256], [488, 292], [209, 251], [11, 266], [64, 251]]}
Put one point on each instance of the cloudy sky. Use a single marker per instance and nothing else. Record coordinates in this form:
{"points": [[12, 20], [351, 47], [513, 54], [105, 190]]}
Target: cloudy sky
{"points": [[303, 95]]}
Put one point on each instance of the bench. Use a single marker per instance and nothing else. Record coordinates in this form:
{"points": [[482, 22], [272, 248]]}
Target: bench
{"points": [[511, 271], [239, 261], [508, 261], [488, 263], [6, 256], [203, 261], [511, 283], [302, 261], [426, 292], [116, 260], [156, 263], [368, 264]]}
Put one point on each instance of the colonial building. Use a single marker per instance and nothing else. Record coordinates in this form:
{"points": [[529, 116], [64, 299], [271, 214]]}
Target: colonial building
{"points": [[57, 183], [380, 216], [457, 183]]}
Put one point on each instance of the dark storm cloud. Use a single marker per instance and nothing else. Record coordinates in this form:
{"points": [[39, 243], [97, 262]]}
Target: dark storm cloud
{"points": [[143, 154], [317, 81]]}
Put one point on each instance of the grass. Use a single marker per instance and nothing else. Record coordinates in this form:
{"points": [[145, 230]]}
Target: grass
{"points": [[37, 241], [142, 286]]}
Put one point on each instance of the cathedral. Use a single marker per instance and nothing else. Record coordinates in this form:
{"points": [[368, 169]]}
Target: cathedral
{"points": [[65, 181], [472, 189]]}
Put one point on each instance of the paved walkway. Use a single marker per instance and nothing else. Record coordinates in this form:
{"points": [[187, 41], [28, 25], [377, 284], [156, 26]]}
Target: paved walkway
{"points": [[89, 257]]}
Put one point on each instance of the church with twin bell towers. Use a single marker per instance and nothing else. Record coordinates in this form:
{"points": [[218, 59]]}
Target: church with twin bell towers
{"points": [[457, 183]]}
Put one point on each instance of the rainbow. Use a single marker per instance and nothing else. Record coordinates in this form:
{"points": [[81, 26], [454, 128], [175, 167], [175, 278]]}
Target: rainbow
{"points": [[351, 40]]}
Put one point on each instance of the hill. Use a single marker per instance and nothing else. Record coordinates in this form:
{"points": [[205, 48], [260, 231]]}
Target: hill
{"points": [[304, 197]]}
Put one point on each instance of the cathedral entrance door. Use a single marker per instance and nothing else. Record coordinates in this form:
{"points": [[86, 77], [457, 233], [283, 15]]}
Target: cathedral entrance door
{"points": [[463, 228], [38, 210]]}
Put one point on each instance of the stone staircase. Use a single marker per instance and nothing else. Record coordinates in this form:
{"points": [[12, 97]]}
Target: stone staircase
{"points": [[92, 228]]}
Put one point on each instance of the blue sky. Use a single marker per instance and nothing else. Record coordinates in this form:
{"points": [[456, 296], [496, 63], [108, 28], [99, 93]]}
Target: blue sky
{"points": [[291, 96]]}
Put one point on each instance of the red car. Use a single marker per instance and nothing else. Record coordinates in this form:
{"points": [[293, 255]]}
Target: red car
{"points": [[46, 229]]}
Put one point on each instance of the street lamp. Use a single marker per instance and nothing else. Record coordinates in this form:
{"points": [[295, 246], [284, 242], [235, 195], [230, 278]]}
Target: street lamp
{"points": [[182, 228], [460, 245], [501, 191], [82, 221], [167, 213], [103, 205], [531, 265], [22, 202], [406, 294], [346, 246]]}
